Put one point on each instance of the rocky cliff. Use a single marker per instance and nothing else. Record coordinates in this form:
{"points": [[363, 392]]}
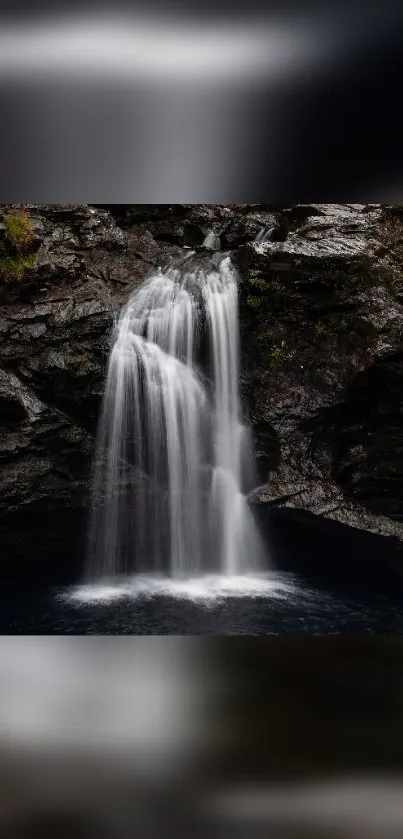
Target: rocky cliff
{"points": [[322, 359]]}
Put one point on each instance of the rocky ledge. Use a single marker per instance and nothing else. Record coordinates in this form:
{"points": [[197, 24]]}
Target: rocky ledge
{"points": [[322, 322], [322, 361]]}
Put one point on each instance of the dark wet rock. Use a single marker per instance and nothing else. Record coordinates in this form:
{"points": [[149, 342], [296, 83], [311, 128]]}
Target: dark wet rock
{"points": [[56, 325], [322, 329], [266, 449], [44, 472], [188, 224]]}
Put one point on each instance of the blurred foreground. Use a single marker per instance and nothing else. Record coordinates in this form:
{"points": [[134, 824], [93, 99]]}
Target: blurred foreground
{"points": [[152, 737]]}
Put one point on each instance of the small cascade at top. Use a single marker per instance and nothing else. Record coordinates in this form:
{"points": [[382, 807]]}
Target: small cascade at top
{"points": [[264, 235], [174, 461], [212, 242]]}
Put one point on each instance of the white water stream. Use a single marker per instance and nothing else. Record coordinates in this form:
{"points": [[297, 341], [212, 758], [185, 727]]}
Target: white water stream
{"points": [[174, 460]]}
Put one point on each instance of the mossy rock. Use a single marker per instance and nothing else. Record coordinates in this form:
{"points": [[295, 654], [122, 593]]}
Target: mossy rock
{"points": [[19, 229], [259, 285], [276, 355], [253, 301], [13, 267]]}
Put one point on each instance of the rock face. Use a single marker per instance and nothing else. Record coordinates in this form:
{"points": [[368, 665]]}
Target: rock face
{"points": [[322, 323], [322, 360], [56, 323]]}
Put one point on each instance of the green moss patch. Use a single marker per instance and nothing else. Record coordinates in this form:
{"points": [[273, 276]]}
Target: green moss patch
{"points": [[276, 355], [14, 267], [19, 229], [259, 285], [253, 301]]}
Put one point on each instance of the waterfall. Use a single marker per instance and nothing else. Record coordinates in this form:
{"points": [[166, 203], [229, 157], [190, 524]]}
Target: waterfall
{"points": [[211, 242], [173, 458], [264, 235]]}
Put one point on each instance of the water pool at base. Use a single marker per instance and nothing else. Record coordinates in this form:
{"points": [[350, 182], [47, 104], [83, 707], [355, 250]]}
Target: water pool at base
{"points": [[268, 604]]}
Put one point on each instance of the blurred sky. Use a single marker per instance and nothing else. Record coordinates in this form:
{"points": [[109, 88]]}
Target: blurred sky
{"points": [[229, 102]]}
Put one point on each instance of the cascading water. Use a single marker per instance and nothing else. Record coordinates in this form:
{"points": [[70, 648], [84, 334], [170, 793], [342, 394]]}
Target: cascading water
{"points": [[211, 242], [264, 235], [173, 460]]}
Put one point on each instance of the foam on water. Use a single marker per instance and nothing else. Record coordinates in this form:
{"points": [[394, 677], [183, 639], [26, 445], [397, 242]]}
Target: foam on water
{"points": [[206, 589]]}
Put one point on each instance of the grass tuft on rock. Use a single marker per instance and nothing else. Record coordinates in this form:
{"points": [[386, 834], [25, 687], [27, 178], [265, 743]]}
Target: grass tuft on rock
{"points": [[258, 284], [14, 267], [275, 355], [19, 229], [253, 302]]}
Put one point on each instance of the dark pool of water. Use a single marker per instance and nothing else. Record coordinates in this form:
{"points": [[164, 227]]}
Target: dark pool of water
{"points": [[280, 604]]}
